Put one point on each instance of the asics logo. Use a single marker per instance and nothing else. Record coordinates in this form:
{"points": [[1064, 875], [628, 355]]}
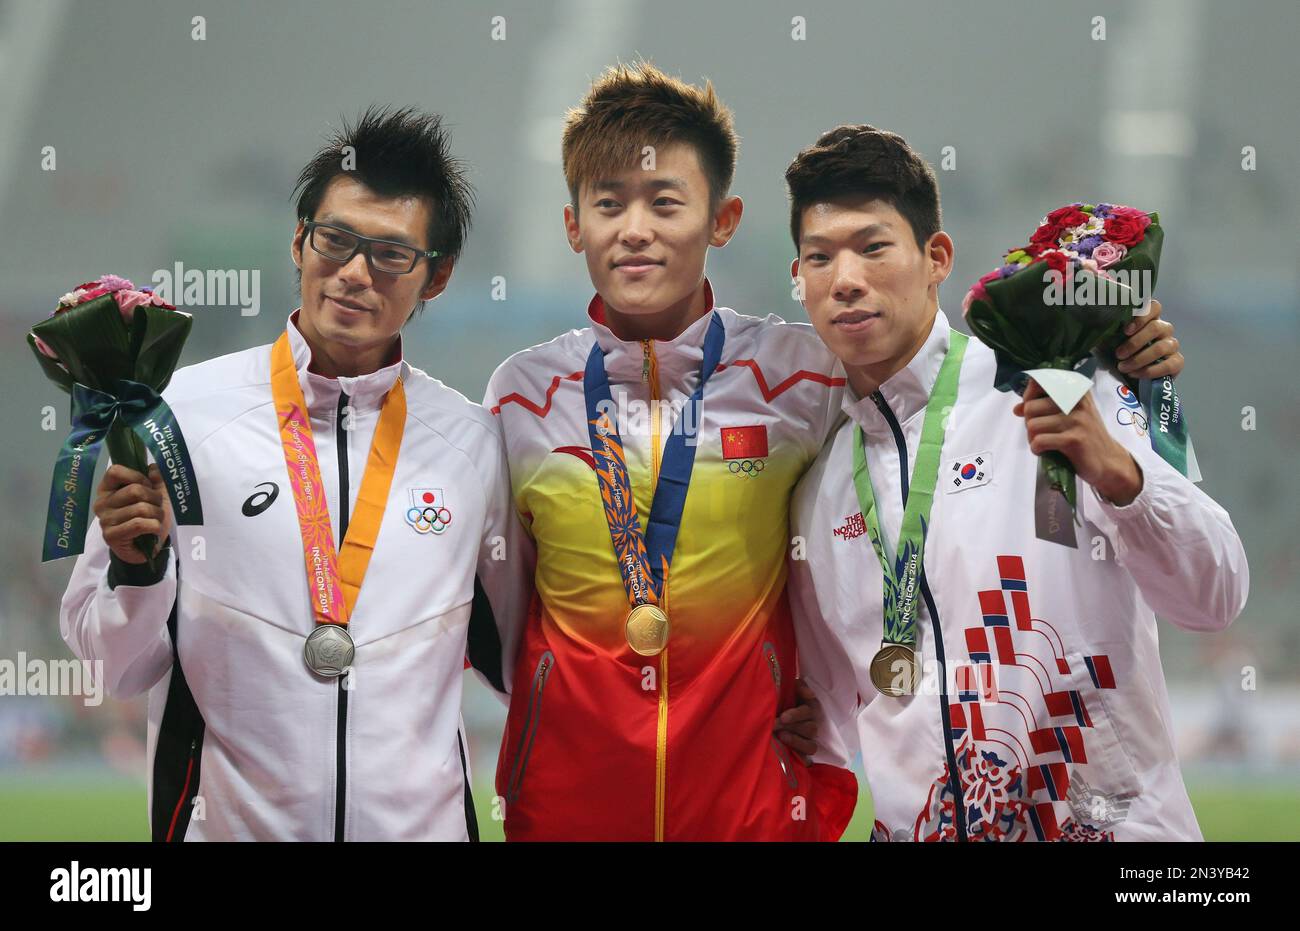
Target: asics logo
{"points": [[259, 501]]}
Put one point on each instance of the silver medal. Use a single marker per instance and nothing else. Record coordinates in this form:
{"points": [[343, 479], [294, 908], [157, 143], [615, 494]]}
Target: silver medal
{"points": [[329, 650]]}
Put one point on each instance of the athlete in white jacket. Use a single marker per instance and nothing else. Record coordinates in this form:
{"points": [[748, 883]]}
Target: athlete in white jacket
{"points": [[1040, 710], [245, 741]]}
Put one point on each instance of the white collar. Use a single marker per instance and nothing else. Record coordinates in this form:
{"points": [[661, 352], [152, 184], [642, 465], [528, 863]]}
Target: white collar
{"points": [[678, 360], [365, 392], [907, 391]]}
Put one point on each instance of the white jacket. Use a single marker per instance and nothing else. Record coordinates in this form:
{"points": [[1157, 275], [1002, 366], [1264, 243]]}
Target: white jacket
{"points": [[1042, 683], [246, 743]]}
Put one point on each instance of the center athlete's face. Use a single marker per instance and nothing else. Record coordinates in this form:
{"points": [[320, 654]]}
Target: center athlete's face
{"points": [[349, 305], [646, 231], [869, 290]]}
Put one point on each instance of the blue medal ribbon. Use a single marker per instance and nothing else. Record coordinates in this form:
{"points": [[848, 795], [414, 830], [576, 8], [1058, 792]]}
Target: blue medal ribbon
{"points": [[643, 559]]}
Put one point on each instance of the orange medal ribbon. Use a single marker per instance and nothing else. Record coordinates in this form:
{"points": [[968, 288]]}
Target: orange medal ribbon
{"points": [[333, 579]]}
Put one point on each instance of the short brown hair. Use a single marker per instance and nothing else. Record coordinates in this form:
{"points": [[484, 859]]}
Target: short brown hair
{"points": [[862, 161], [632, 106]]}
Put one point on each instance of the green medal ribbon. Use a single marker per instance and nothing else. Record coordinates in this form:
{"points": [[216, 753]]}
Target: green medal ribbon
{"points": [[1165, 420], [902, 581], [140, 409]]}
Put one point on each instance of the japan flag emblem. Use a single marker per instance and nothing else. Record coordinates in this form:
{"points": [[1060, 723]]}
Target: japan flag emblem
{"points": [[428, 512]]}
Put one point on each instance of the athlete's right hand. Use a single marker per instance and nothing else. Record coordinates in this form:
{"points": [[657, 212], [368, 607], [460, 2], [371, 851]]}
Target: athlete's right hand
{"points": [[129, 504]]}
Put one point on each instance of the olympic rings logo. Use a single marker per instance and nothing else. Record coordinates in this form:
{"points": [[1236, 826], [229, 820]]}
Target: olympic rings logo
{"points": [[750, 467], [1132, 418], [428, 519]]}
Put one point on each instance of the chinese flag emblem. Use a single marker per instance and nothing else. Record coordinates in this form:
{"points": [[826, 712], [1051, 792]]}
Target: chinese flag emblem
{"points": [[744, 442]]}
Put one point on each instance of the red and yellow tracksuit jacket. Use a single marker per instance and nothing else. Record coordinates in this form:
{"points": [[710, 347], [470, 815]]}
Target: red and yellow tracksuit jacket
{"points": [[602, 743]]}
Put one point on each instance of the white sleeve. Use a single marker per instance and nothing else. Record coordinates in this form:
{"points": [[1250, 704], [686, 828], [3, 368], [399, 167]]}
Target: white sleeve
{"points": [[507, 557], [1175, 541], [823, 664], [116, 615]]}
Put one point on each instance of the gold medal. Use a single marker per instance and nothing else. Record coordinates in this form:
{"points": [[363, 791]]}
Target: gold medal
{"points": [[893, 670], [647, 630]]}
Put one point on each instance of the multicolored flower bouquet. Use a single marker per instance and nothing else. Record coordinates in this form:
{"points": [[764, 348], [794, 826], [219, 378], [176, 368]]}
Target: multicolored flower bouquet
{"points": [[113, 347], [1051, 304]]}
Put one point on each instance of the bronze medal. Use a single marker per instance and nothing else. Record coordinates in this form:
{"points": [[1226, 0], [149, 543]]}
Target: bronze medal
{"points": [[893, 670]]}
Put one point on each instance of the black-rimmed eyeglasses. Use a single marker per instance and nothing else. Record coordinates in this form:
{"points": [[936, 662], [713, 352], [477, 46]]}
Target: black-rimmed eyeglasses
{"points": [[340, 245]]}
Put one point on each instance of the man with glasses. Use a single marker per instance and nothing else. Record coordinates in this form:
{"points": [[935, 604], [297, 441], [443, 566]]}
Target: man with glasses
{"points": [[300, 689]]}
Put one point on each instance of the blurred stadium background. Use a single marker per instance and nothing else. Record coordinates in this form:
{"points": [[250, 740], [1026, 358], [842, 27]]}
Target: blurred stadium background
{"points": [[170, 149]]}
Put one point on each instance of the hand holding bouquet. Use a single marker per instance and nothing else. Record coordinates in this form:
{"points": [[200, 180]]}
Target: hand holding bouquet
{"points": [[113, 348]]}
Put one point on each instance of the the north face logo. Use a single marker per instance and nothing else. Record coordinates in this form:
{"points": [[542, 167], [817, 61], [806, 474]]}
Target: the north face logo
{"points": [[854, 527]]}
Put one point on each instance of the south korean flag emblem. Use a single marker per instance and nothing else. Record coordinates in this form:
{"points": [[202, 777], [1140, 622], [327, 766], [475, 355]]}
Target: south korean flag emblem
{"points": [[969, 472]]}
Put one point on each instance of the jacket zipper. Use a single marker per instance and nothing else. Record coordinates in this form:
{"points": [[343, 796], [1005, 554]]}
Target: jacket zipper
{"points": [[782, 753], [774, 665], [185, 789], [341, 729], [954, 778], [650, 373], [533, 717]]}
